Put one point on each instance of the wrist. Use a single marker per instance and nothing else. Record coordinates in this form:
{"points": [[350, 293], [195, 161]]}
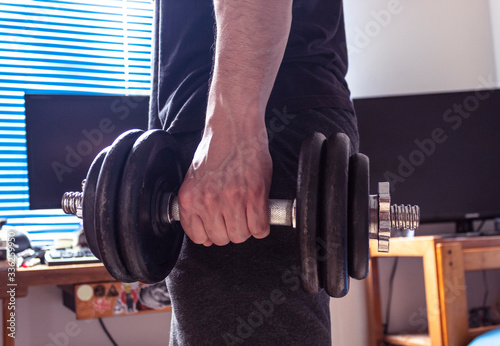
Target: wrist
{"points": [[242, 114]]}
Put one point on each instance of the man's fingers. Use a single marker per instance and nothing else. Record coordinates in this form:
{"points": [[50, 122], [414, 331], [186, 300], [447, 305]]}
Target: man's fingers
{"points": [[258, 213], [237, 226], [220, 201], [258, 219], [194, 228], [215, 227]]}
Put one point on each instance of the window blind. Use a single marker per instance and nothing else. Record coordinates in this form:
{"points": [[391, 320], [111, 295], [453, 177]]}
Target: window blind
{"points": [[62, 47]]}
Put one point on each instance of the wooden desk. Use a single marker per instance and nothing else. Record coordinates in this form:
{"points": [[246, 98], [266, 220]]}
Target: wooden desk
{"points": [[46, 276], [445, 261]]}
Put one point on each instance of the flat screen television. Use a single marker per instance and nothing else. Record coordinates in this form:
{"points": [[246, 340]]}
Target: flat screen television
{"points": [[65, 132], [440, 151]]}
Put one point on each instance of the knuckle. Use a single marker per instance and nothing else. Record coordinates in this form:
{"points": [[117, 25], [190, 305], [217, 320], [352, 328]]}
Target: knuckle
{"points": [[234, 192], [209, 199], [259, 191], [185, 197], [211, 188], [184, 194]]}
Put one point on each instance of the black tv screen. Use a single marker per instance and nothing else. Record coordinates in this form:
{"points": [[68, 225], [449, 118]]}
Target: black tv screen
{"points": [[65, 132], [440, 151]]}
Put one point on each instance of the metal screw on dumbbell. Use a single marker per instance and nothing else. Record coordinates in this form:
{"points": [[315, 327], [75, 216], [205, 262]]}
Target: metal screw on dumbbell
{"points": [[72, 202], [384, 217]]}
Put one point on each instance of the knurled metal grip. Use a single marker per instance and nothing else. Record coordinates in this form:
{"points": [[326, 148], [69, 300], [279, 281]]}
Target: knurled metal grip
{"points": [[281, 211]]}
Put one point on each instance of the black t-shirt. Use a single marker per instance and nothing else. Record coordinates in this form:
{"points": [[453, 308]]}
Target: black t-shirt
{"points": [[311, 74]]}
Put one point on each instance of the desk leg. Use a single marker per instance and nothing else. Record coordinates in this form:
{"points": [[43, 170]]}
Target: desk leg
{"points": [[453, 294], [375, 325], [7, 341], [432, 294]]}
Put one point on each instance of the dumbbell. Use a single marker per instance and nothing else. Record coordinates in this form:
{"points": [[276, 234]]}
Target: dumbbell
{"points": [[130, 211]]}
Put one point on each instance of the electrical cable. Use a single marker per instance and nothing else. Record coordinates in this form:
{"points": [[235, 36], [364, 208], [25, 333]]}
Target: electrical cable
{"points": [[486, 290], [107, 333], [389, 297], [480, 226], [484, 308], [485, 283]]}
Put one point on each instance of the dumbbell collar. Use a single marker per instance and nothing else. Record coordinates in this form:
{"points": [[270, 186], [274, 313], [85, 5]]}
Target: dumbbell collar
{"points": [[380, 224]]}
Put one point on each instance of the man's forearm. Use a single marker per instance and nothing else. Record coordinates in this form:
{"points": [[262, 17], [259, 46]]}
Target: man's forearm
{"points": [[225, 193], [251, 39]]}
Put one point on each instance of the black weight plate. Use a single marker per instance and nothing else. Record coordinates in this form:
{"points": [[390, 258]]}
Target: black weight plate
{"points": [[332, 259], [152, 170], [307, 204], [106, 206], [88, 203], [358, 237]]}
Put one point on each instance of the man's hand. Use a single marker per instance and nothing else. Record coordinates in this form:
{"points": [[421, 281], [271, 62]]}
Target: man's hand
{"points": [[224, 197], [225, 194]]}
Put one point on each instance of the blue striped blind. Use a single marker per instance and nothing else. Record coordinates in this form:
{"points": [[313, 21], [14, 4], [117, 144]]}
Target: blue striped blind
{"points": [[62, 47]]}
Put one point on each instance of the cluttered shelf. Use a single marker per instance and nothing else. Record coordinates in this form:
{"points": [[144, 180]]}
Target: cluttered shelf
{"points": [[44, 275], [41, 275], [87, 289]]}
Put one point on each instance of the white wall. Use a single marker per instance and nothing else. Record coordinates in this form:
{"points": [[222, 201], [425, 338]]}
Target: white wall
{"points": [[495, 25], [406, 46], [349, 322]]}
